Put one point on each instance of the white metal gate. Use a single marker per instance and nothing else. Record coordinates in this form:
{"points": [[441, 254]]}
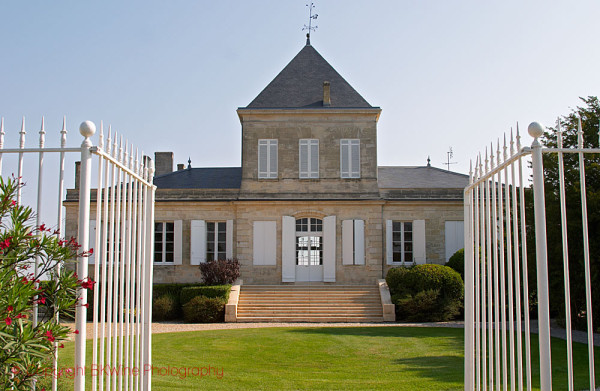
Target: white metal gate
{"points": [[497, 322], [122, 207]]}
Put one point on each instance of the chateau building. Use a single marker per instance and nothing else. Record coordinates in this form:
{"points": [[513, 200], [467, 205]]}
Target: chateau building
{"points": [[309, 202]]}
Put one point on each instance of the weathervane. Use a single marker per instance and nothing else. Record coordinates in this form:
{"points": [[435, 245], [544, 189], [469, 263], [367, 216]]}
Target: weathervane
{"points": [[450, 155], [310, 18]]}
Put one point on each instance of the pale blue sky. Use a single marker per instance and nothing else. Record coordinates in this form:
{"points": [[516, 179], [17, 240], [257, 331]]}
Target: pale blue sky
{"points": [[170, 74]]}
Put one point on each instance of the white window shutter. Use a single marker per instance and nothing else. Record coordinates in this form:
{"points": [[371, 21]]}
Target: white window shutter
{"points": [[177, 242], [229, 239], [419, 242], [303, 159], [355, 159], [345, 158], [92, 243], [389, 242], [197, 242], [359, 242], [314, 158], [329, 238], [263, 162], [273, 159], [454, 233], [348, 242], [288, 249], [264, 243]]}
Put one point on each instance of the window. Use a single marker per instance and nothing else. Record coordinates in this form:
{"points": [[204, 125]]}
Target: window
{"points": [[216, 240], [267, 159], [309, 242], [402, 242], [350, 158], [309, 158], [164, 239]]}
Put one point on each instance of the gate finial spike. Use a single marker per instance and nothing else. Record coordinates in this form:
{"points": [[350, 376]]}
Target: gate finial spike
{"points": [[518, 138], [470, 171], [559, 140], [137, 162], [492, 155], [2, 133], [486, 160], [498, 151], [131, 158], [579, 133], [22, 134], [115, 146], [512, 142], [42, 133], [63, 133], [101, 135], [505, 148], [109, 140]]}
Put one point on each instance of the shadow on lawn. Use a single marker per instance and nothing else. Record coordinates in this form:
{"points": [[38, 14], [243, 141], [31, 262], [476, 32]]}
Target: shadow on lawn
{"points": [[389, 331], [442, 369]]}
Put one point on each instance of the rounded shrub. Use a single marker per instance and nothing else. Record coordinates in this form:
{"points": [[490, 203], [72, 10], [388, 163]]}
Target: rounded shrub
{"points": [[424, 277], [394, 278], [165, 308], [457, 262], [202, 309]]}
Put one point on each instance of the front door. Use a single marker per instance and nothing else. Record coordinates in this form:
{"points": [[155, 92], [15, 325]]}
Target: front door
{"points": [[309, 250]]}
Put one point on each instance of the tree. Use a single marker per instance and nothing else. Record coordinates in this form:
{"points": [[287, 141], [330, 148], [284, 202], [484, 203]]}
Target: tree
{"points": [[26, 350], [590, 117]]}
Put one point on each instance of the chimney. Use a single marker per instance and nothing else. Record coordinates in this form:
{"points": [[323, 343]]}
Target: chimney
{"points": [[77, 174], [180, 166], [163, 162], [326, 94]]}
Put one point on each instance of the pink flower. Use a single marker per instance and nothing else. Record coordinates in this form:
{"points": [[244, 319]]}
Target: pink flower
{"points": [[9, 308], [49, 336], [89, 284], [42, 300], [4, 244], [8, 321], [43, 227], [76, 331], [86, 305], [13, 203], [61, 346]]}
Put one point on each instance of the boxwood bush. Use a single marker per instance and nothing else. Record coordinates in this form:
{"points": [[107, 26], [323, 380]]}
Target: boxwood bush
{"points": [[457, 262], [218, 291], [202, 309], [426, 292], [165, 308]]}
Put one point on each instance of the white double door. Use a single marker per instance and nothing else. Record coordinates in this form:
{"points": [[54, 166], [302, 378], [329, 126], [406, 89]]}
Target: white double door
{"points": [[309, 258]]}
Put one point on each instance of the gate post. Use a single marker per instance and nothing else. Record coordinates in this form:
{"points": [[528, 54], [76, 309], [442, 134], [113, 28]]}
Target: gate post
{"points": [[536, 130], [469, 289], [87, 129]]}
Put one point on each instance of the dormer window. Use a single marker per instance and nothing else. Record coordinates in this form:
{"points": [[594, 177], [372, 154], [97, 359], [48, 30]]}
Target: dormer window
{"points": [[267, 159], [350, 158], [309, 158]]}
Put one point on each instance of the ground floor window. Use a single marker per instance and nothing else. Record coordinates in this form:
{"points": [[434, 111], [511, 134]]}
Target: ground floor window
{"points": [[309, 242], [164, 238], [402, 240], [216, 240]]}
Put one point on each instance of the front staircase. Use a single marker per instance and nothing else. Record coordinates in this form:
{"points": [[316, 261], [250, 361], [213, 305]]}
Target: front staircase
{"points": [[309, 303]]}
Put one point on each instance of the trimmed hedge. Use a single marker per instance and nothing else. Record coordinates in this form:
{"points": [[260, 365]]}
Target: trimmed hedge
{"points": [[202, 309], [214, 291], [426, 292]]}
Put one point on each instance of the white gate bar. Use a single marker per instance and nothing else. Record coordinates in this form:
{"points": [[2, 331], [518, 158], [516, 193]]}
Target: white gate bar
{"points": [[38, 219], [469, 302], [586, 259], [98, 262], [128, 272], [536, 130], [484, 263], [495, 280], [1, 141], [122, 254], [524, 265], [509, 267], [490, 257], [565, 248], [477, 282], [87, 129], [140, 265], [20, 169], [118, 262], [517, 274]]}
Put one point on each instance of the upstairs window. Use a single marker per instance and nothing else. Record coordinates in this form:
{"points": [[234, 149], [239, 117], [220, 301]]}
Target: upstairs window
{"points": [[350, 158], [309, 158], [267, 159]]}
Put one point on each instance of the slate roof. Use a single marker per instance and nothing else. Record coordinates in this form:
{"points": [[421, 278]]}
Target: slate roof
{"points": [[300, 85], [421, 177], [201, 178]]}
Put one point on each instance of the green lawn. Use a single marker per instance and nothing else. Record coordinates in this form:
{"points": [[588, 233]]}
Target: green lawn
{"points": [[350, 358]]}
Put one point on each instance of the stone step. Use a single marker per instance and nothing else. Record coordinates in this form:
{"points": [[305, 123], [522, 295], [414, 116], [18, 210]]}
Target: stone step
{"points": [[327, 312], [312, 319]]}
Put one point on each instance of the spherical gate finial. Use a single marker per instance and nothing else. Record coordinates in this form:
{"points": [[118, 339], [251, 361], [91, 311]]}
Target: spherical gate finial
{"points": [[535, 129], [87, 129]]}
